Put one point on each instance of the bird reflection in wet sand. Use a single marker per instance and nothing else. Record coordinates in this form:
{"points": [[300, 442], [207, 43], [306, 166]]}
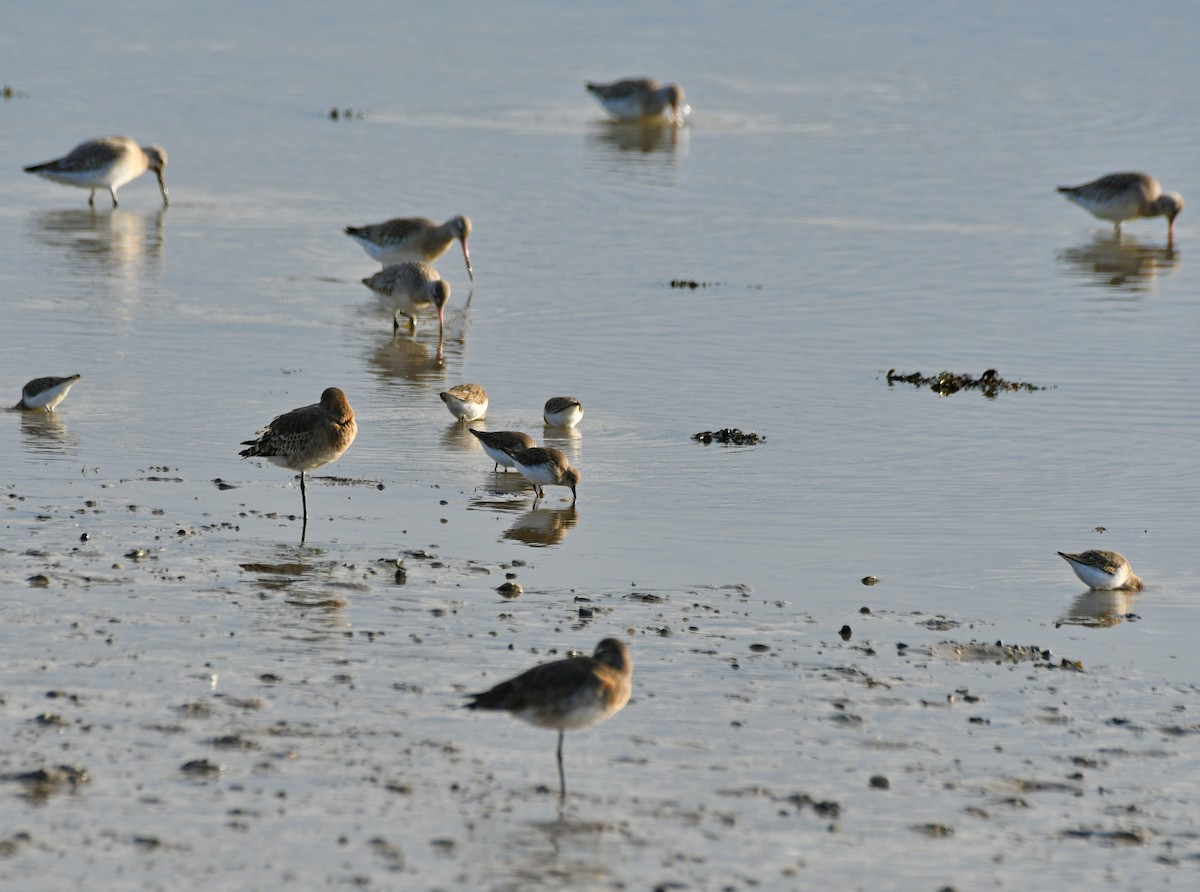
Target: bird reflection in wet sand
{"points": [[1098, 608], [1103, 570], [566, 695], [114, 242], [1122, 264], [307, 438], [543, 526], [499, 444], [105, 163], [44, 394], [46, 433]]}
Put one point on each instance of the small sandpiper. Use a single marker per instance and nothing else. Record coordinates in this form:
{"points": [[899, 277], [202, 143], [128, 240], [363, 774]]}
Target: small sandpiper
{"points": [[562, 411], [545, 466], [466, 402], [1103, 570], [307, 438], [407, 287], [46, 393], [499, 444], [106, 163], [413, 238], [640, 99], [566, 695], [1118, 197]]}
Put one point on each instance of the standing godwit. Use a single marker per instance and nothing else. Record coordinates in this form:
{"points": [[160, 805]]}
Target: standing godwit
{"points": [[562, 411], [46, 393], [566, 695], [1118, 197], [106, 163], [306, 438], [500, 444], [1103, 570], [640, 98], [466, 402], [412, 238], [545, 466], [407, 287]]}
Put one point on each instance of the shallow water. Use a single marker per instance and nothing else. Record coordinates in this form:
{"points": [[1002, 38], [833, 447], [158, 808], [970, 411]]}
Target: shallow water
{"points": [[856, 191]]}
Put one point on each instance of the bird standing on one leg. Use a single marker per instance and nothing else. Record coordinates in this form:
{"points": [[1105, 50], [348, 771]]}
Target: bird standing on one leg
{"points": [[307, 438]]}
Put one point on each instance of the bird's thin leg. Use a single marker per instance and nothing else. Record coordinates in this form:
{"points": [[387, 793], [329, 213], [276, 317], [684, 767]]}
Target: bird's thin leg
{"points": [[113, 193], [304, 504], [562, 777], [92, 199]]}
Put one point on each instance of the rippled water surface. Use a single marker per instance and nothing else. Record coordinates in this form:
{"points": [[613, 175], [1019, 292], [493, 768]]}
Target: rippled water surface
{"points": [[194, 699]]}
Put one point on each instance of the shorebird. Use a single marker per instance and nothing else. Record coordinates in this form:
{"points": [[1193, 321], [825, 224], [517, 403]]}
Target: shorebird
{"points": [[566, 695], [498, 445], [545, 466], [640, 98], [307, 438], [106, 163], [1103, 570], [407, 287], [46, 393], [412, 238], [466, 402], [562, 411], [1118, 197]]}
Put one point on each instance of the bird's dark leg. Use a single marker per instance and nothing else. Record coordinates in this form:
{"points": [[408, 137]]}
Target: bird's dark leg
{"points": [[92, 199], [113, 193], [562, 777]]}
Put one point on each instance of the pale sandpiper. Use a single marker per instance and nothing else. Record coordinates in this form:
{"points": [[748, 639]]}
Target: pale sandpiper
{"points": [[46, 393], [1118, 197], [640, 99], [413, 238], [566, 695], [466, 402], [545, 466], [499, 444], [562, 411], [1103, 570], [106, 163], [407, 287], [307, 438]]}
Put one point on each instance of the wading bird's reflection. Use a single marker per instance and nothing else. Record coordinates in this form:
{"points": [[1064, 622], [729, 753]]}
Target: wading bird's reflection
{"points": [[1098, 609], [543, 526], [1119, 263]]}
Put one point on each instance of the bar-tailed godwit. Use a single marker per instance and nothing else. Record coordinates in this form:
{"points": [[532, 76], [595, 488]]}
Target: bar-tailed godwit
{"points": [[562, 411], [545, 466], [500, 444], [640, 98], [46, 393], [1103, 570], [1118, 197], [106, 163], [466, 402], [412, 238], [307, 438], [566, 695], [407, 287]]}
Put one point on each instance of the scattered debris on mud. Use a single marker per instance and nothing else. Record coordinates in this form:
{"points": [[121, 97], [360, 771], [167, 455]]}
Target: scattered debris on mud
{"points": [[729, 436], [990, 384]]}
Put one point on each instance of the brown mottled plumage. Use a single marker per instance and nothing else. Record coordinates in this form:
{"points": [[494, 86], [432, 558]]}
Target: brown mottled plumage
{"points": [[412, 238], [640, 98], [105, 163], [307, 438], [500, 444], [466, 402], [566, 695], [1103, 570]]}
